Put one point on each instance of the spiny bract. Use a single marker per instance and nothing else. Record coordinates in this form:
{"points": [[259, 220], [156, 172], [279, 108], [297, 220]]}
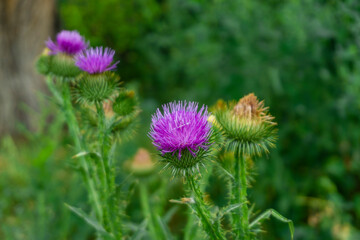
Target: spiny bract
{"points": [[247, 126]]}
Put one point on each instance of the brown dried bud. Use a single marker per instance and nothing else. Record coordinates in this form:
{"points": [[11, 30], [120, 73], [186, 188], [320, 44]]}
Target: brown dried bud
{"points": [[250, 108], [141, 164]]}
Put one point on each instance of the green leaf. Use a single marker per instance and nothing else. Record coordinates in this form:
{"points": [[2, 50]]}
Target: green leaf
{"points": [[271, 212], [170, 213], [92, 222], [164, 228], [231, 207], [84, 153], [140, 231], [225, 171]]}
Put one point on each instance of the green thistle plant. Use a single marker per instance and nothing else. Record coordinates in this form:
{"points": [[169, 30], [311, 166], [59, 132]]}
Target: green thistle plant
{"points": [[95, 88], [249, 131], [57, 60], [182, 134]]}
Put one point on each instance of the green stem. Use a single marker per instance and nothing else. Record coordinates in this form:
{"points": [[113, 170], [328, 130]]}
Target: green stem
{"points": [[202, 211], [241, 219], [104, 145], [75, 134], [106, 173]]}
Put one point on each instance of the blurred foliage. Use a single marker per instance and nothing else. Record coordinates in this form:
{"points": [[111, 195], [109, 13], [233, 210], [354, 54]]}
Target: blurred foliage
{"points": [[36, 181], [301, 56]]}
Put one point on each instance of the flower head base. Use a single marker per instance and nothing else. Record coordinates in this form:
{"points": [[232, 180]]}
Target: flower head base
{"points": [[247, 126], [96, 88], [67, 42], [96, 60], [182, 134]]}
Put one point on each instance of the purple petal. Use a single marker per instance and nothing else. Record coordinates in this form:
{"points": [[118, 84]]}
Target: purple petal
{"points": [[68, 42], [96, 60], [180, 127]]}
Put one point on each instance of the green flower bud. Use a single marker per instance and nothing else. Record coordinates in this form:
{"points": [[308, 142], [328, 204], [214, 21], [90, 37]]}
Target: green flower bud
{"points": [[61, 65], [91, 88], [125, 103], [43, 63], [247, 126], [123, 128]]}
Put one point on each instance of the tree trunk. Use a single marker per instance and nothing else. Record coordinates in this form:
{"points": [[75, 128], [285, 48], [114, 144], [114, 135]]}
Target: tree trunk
{"points": [[24, 27]]}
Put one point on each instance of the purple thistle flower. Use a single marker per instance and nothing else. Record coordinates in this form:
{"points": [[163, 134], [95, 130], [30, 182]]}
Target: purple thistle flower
{"points": [[69, 42], [181, 127], [96, 60]]}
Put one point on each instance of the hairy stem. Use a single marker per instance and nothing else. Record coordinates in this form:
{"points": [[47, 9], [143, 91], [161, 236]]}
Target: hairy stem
{"points": [[202, 212]]}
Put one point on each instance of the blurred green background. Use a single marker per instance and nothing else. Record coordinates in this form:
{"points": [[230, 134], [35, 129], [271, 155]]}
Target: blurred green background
{"points": [[301, 56]]}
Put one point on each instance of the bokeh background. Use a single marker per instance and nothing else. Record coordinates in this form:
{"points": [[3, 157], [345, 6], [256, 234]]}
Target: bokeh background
{"points": [[301, 56]]}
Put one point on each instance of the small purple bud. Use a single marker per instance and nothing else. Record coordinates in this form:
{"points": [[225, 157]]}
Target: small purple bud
{"points": [[68, 42]]}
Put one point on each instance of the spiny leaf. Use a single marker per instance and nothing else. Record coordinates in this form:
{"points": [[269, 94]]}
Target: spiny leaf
{"points": [[140, 231]]}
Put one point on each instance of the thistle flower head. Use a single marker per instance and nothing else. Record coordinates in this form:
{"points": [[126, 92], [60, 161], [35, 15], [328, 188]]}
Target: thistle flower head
{"points": [[96, 60], [68, 42], [182, 134], [247, 126]]}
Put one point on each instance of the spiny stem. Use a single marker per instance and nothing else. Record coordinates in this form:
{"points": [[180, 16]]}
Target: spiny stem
{"points": [[71, 121], [108, 175], [202, 212], [241, 218]]}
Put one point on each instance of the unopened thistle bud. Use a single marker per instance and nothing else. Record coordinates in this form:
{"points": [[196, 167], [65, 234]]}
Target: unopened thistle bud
{"points": [[182, 134], [97, 83], [247, 126], [58, 60], [125, 103]]}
